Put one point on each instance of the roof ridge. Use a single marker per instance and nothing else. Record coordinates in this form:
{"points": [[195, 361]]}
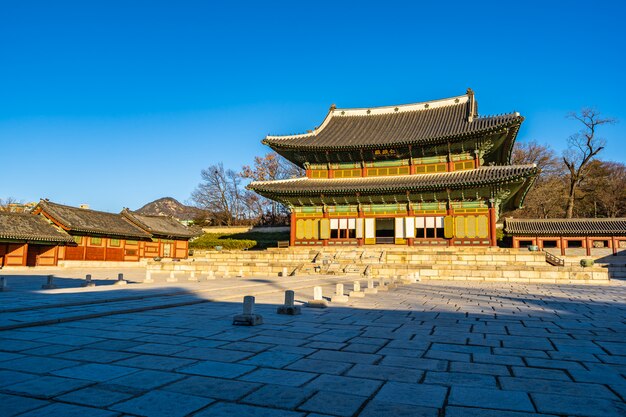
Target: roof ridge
{"points": [[377, 110], [76, 208]]}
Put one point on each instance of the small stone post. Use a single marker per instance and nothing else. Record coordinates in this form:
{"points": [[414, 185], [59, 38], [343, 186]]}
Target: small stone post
{"points": [[284, 273], [211, 275], [3, 284], [88, 282], [416, 276], [382, 286], [172, 277], [148, 279], [339, 296], [318, 300], [370, 287], [248, 318], [289, 308], [392, 284], [49, 285], [240, 274], [356, 290], [120, 280], [192, 276]]}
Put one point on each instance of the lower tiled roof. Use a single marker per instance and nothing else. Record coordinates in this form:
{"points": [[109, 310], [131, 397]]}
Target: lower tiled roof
{"points": [[160, 226], [28, 227], [456, 179], [564, 227], [87, 221]]}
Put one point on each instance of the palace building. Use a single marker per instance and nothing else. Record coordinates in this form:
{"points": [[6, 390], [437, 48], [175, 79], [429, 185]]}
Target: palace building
{"points": [[431, 173]]}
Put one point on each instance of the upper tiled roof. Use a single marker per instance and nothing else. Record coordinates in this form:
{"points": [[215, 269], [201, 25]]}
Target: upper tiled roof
{"points": [[159, 226], [28, 227], [564, 227], [419, 123], [80, 220], [456, 179]]}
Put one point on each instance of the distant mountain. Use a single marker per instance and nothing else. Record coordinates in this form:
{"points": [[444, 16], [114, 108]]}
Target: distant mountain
{"points": [[169, 206]]}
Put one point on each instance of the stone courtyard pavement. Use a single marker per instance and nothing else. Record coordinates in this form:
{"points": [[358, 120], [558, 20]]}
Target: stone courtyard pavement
{"points": [[435, 349]]}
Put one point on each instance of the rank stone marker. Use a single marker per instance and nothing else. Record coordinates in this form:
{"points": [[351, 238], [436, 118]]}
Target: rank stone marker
{"points": [[356, 290], [148, 279], [284, 273], [88, 282], [49, 285], [318, 300], [392, 283], [172, 277], [192, 276], [339, 296], [370, 287], [382, 286], [248, 318], [120, 280], [240, 274], [289, 308], [211, 275]]}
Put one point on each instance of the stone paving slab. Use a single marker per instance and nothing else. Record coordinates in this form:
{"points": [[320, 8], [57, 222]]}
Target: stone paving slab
{"points": [[429, 349]]}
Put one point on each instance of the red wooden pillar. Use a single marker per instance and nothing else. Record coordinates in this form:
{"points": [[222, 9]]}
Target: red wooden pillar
{"points": [[492, 226], [614, 245], [587, 246], [25, 254], [562, 245], [292, 229]]}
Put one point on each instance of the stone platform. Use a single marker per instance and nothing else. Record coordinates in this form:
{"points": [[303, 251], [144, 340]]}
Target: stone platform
{"points": [[483, 264]]}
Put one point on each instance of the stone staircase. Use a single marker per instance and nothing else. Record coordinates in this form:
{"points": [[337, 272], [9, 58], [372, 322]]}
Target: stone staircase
{"points": [[450, 263]]}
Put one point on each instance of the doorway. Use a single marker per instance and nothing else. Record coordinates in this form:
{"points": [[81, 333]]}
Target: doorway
{"points": [[167, 250], [385, 231]]}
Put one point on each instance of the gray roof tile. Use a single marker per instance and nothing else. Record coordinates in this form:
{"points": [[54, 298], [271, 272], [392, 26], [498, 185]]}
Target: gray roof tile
{"points": [[401, 125], [565, 227], [29, 227], [456, 179], [159, 226], [81, 220]]}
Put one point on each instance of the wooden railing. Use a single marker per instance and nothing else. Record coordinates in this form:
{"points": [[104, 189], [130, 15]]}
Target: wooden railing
{"points": [[554, 260]]}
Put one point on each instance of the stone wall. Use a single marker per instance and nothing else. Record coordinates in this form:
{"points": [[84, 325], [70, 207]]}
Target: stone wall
{"points": [[453, 263]]}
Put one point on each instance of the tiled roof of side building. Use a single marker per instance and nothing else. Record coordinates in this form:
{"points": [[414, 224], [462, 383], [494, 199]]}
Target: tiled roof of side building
{"points": [[31, 228], [162, 226], [419, 123], [565, 227], [456, 179], [81, 220]]}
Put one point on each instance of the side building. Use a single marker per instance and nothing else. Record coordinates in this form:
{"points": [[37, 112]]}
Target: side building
{"points": [[27, 240], [433, 173], [98, 235], [570, 236], [170, 238]]}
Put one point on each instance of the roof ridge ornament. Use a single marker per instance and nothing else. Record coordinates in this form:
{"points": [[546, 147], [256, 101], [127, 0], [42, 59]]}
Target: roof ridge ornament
{"points": [[472, 111]]}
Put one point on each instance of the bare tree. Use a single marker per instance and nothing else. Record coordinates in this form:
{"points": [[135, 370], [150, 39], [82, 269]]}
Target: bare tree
{"points": [[534, 153], [582, 149], [545, 199], [5, 203], [220, 193], [602, 193], [269, 167]]}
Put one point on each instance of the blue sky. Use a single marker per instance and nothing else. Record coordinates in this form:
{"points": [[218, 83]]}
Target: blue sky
{"points": [[117, 103]]}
